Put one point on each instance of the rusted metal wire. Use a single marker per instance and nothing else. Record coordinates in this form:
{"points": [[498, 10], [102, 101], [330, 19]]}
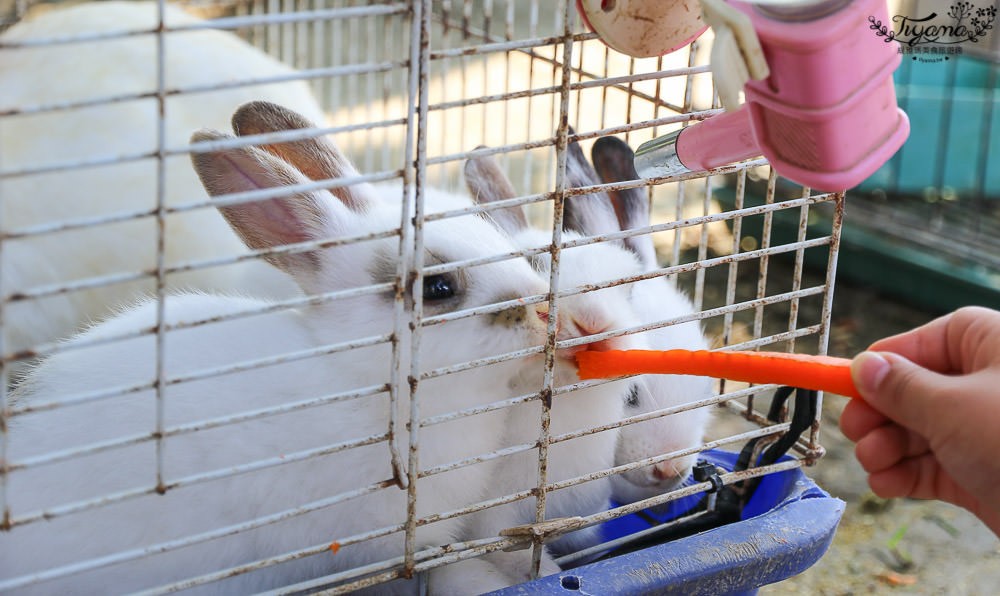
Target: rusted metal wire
{"points": [[202, 425], [309, 74], [222, 23], [827, 311], [4, 378], [51, 348], [558, 204], [420, 55]]}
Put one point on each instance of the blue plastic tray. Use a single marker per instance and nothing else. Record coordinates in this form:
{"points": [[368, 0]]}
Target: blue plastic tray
{"points": [[786, 527]]}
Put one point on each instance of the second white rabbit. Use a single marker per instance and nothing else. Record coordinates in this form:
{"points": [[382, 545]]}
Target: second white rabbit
{"points": [[101, 134]]}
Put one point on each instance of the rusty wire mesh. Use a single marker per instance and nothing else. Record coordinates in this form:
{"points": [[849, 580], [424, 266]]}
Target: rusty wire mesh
{"points": [[410, 90]]}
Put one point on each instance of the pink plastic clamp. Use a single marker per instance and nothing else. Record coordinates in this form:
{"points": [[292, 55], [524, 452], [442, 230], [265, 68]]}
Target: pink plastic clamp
{"points": [[826, 116]]}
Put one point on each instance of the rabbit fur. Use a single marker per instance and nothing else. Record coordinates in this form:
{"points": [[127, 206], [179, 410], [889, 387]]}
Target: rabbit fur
{"points": [[648, 301], [194, 507], [75, 72], [595, 312], [653, 300]]}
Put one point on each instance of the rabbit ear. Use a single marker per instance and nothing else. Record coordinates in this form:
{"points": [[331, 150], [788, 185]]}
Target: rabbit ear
{"points": [[487, 183], [317, 158], [269, 223], [613, 162], [590, 214]]}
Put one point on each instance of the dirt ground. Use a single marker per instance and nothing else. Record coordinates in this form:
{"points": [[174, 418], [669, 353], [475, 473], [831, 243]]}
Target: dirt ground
{"points": [[900, 546]]}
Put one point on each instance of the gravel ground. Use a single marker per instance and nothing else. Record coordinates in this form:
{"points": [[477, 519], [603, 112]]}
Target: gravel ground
{"points": [[900, 546]]}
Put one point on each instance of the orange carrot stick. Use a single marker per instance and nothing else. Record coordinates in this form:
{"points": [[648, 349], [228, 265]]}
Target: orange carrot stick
{"points": [[822, 373]]}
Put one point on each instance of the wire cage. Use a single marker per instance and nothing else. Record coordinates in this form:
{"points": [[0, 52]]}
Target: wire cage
{"points": [[222, 430]]}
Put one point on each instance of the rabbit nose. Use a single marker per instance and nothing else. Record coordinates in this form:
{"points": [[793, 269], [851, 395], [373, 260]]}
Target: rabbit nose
{"points": [[586, 328], [542, 311], [665, 471]]}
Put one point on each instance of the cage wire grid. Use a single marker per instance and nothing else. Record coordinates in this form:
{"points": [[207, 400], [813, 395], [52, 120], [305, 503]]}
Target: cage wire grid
{"points": [[410, 88]]}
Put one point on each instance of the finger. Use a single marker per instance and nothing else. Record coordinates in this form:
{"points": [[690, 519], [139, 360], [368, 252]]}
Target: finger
{"points": [[923, 478], [916, 477], [947, 343], [886, 446], [858, 419], [906, 393], [926, 345]]}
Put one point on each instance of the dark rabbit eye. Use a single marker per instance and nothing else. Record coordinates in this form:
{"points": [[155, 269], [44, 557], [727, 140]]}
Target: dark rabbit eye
{"points": [[438, 287], [632, 400]]}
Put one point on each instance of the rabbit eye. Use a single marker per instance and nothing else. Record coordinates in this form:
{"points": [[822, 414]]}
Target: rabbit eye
{"points": [[438, 287], [632, 400]]}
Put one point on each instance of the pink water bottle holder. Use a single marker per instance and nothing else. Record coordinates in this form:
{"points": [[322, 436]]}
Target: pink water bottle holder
{"points": [[826, 116]]}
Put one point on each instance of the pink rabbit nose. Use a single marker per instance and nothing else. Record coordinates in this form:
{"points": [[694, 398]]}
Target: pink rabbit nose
{"points": [[586, 329], [542, 311], [665, 471]]}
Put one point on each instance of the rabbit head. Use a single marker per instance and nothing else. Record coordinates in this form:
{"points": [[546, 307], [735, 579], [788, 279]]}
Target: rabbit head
{"points": [[581, 314], [652, 300], [362, 210]]}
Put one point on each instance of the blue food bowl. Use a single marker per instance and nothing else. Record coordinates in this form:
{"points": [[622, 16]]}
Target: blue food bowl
{"points": [[785, 528]]}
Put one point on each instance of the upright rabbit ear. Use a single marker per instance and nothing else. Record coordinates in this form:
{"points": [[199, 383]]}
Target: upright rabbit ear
{"points": [[269, 223], [487, 183], [613, 162], [317, 158], [590, 214]]}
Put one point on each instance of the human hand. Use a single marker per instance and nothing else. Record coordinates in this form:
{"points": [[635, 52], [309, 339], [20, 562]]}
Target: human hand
{"points": [[929, 424]]}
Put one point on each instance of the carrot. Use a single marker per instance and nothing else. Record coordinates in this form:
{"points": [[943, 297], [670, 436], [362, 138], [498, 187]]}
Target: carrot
{"points": [[822, 373]]}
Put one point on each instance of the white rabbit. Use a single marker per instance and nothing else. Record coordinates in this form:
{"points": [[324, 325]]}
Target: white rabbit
{"points": [[649, 301], [123, 66], [593, 312], [201, 506], [653, 300]]}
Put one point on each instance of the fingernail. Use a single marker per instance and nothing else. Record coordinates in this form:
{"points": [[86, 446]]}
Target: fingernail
{"points": [[868, 370]]}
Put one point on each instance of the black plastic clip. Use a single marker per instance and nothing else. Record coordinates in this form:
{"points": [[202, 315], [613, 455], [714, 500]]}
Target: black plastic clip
{"points": [[705, 471]]}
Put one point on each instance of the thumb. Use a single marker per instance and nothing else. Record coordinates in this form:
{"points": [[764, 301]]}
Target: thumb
{"points": [[901, 390]]}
